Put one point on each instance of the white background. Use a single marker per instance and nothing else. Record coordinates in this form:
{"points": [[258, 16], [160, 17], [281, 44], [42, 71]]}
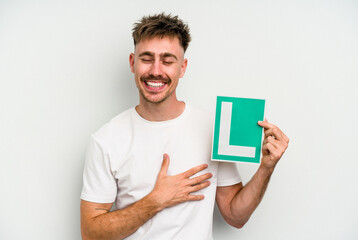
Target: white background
{"points": [[64, 73]]}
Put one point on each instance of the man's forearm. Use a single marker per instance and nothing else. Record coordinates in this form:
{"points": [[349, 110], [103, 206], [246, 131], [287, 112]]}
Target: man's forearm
{"points": [[248, 198], [120, 223]]}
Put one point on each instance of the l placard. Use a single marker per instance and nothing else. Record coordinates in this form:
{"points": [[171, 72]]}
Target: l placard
{"points": [[237, 136]]}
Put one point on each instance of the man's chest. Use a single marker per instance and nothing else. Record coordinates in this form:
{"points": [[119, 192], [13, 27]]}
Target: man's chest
{"points": [[136, 171]]}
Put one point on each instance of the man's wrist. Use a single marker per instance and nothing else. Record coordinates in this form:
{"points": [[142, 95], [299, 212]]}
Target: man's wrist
{"points": [[266, 170], [153, 201]]}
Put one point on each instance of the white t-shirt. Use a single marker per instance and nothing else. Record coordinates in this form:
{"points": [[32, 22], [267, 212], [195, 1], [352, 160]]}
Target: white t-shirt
{"points": [[124, 158]]}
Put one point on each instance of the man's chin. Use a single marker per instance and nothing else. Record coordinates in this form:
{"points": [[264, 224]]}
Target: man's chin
{"points": [[154, 99]]}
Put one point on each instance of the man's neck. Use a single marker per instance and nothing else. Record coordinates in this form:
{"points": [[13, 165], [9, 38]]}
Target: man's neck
{"points": [[163, 111]]}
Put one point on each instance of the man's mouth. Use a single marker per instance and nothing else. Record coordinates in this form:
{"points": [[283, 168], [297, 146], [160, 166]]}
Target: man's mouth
{"points": [[154, 84]]}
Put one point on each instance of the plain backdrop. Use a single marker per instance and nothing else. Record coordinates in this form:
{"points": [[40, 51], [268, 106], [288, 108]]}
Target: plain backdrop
{"points": [[64, 72]]}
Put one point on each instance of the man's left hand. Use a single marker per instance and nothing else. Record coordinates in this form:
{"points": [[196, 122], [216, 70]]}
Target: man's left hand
{"points": [[274, 145]]}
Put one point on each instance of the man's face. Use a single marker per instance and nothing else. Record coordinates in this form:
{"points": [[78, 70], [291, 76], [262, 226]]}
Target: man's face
{"points": [[157, 65]]}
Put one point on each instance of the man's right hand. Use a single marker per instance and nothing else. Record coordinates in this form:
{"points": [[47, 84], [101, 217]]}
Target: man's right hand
{"points": [[172, 190]]}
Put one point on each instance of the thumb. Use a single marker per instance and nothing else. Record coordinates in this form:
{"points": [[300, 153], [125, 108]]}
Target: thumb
{"points": [[165, 164]]}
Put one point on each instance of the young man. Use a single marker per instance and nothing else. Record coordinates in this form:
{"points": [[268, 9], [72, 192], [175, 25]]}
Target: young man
{"points": [[153, 160]]}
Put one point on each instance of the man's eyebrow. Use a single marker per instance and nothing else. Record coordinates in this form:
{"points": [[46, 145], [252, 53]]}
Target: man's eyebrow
{"points": [[146, 54], [166, 54]]}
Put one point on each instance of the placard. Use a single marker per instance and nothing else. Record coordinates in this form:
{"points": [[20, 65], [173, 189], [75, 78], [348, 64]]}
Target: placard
{"points": [[237, 136]]}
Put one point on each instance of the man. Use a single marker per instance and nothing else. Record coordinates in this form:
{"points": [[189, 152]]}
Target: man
{"points": [[154, 160]]}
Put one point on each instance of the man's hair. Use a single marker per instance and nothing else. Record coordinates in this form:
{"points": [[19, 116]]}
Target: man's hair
{"points": [[161, 25]]}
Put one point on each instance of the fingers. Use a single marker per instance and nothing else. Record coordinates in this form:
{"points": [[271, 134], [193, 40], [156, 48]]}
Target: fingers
{"points": [[192, 197], [175, 189], [195, 197], [276, 133], [194, 170], [165, 165], [281, 145], [198, 187], [265, 124], [273, 151], [187, 174], [274, 145], [273, 130], [196, 184], [199, 179]]}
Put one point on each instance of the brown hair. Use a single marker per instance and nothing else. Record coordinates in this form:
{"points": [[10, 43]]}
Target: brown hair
{"points": [[161, 25]]}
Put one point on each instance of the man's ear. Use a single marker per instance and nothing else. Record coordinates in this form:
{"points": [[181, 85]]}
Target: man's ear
{"points": [[131, 62], [183, 68]]}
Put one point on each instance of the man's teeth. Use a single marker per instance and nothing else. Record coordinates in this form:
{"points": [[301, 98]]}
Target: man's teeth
{"points": [[155, 84]]}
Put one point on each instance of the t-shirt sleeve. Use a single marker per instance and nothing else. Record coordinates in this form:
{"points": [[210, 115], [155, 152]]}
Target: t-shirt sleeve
{"points": [[99, 185], [228, 174]]}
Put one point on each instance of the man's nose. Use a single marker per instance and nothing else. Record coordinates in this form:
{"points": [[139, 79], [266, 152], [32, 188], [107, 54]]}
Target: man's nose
{"points": [[156, 69]]}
